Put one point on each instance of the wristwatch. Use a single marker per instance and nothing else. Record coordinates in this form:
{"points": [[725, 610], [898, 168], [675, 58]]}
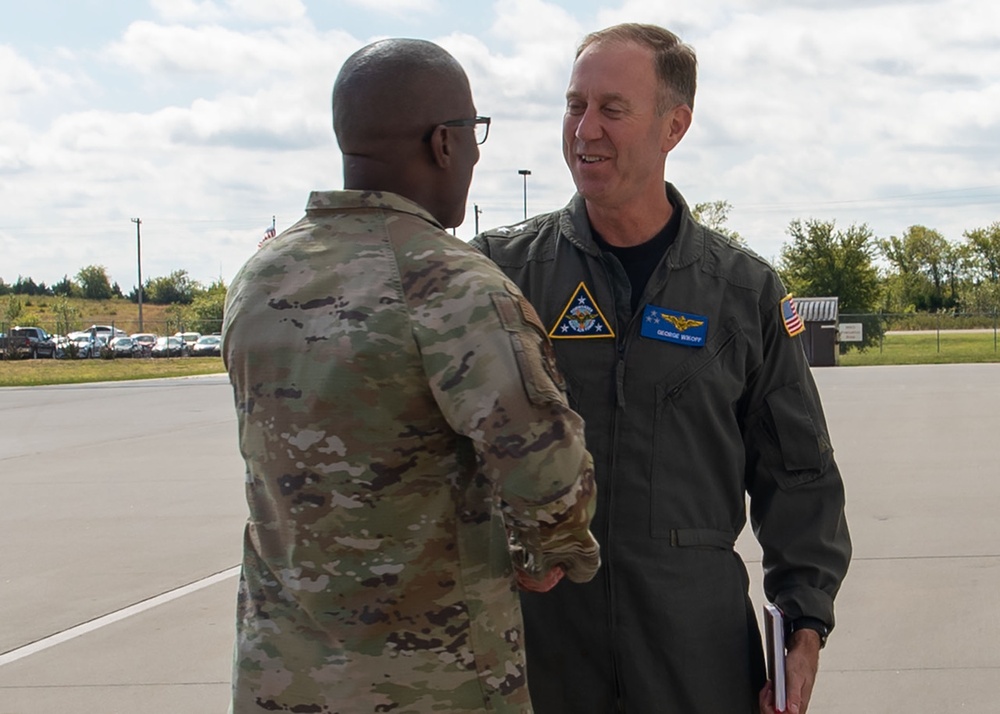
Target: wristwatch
{"points": [[810, 623]]}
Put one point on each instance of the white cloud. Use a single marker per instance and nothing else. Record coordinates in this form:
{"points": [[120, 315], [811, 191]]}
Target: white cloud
{"points": [[215, 51], [544, 38], [267, 10], [211, 11], [194, 11], [17, 75], [398, 8], [23, 83]]}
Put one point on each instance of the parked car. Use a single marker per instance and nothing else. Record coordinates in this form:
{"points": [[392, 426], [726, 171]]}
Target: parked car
{"points": [[125, 347], [80, 347], [145, 340], [207, 345], [28, 342], [169, 347], [189, 338], [106, 331]]}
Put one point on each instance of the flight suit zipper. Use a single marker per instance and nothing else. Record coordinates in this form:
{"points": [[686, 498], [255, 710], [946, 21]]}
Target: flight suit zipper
{"points": [[623, 341], [622, 338], [608, 565]]}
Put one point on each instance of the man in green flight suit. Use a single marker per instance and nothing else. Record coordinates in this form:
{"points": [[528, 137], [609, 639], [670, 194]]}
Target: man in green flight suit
{"points": [[680, 351], [410, 456]]}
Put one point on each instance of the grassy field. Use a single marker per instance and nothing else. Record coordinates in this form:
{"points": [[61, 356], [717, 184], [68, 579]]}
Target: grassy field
{"points": [[41, 310], [32, 372], [927, 348]]}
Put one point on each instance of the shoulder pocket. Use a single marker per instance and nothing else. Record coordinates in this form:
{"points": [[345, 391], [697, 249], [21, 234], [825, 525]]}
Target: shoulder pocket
{"points": [[797, 436], [536, 358]]}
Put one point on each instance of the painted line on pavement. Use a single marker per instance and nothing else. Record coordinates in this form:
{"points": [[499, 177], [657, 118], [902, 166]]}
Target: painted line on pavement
{"points": [[105, 620]]}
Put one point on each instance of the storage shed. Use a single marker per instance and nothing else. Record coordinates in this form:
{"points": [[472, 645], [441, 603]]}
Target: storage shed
{"points": [[820, 315]]}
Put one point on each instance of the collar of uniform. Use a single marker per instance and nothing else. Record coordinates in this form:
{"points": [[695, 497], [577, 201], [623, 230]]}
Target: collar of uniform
{"points": [[340, 200], [575, 226]]}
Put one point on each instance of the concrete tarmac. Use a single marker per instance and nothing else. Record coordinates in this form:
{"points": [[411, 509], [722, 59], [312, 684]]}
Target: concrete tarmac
{"points": [[121, 513]]}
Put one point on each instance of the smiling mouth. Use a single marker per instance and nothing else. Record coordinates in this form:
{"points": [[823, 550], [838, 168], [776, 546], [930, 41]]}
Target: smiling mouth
{"points": [[589, 159]]}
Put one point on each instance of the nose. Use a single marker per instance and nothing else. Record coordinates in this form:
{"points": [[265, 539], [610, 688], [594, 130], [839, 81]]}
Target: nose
{"points": [[588, 125]]}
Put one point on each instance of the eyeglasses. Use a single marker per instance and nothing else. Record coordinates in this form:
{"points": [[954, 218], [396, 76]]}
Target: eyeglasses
{"points": [[480, 124]]}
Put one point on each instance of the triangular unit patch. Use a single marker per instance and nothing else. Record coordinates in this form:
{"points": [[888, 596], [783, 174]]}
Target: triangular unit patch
{"points": [[581, 318]]}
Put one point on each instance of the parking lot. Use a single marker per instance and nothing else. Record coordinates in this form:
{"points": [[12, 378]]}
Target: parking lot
{"points": [[107, 342], [122, 515]]}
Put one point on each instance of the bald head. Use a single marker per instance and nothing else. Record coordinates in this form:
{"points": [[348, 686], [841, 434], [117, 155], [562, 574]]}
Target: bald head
{"points": [[391, 102], [395, 89]]}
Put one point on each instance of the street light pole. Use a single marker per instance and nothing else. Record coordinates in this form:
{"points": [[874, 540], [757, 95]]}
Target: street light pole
{"points": [[525, 173], [138, 262]]}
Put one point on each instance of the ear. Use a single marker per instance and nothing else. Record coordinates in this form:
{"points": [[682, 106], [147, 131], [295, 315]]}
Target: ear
{"points": [[675, 125], [441, 149]]}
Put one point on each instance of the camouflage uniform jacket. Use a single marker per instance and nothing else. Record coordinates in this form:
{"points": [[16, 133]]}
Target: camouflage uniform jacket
{"points": [[405, 432]]}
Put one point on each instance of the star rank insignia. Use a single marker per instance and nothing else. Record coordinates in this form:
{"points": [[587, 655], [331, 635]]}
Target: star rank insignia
{"points": [[581, 318]]}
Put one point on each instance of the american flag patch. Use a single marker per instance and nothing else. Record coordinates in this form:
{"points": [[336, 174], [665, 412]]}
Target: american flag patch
{"points": [[790, 316]]}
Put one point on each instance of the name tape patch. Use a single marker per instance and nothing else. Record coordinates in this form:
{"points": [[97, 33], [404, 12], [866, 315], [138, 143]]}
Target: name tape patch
{"points": [[659, 323]]}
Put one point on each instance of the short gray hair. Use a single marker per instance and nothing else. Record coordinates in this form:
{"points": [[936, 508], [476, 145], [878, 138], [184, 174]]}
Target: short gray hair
{"points": [[675, 62]]}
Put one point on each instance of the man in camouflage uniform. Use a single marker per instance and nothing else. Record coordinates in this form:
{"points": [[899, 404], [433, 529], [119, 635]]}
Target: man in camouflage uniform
{"points": [[410, 454]]}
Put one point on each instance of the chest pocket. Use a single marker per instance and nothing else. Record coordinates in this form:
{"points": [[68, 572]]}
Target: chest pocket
{"points": [[697, 372], [696, 473]]}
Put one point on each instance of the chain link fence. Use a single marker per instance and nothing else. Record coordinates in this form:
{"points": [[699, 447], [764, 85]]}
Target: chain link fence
{"points": [[968, 333]]}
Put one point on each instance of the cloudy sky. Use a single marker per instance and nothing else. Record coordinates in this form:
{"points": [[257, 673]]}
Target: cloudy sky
{"points": [[205, 118]]}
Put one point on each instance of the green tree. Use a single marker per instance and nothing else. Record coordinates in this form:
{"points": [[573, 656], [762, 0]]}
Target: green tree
{"points": [[905, 284], [715, 215], [13, 310], [65, 288], [984, 244], [823, 261], [27, 286], [67, 316], [4, 288], [983, 257], [175, 289], [925, 263], [206, 311], [177, 318], [94, 283], [955, 260]]}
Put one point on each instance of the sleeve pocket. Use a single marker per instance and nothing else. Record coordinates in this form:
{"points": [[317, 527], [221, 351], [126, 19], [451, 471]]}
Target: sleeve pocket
{"points": [[536, 359], [797, 437]]}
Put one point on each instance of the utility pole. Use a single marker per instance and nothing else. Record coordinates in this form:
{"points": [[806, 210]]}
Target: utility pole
{"points": [[477, 210], [138, 262], [525, 173]]}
